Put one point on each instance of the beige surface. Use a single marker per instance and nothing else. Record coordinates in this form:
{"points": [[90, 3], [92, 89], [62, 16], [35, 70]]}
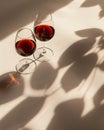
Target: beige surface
{"points": [[67, 93]]}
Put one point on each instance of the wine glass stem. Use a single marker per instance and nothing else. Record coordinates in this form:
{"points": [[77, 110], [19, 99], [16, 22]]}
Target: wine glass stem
{"points": [[44, 50], [26, 65]]}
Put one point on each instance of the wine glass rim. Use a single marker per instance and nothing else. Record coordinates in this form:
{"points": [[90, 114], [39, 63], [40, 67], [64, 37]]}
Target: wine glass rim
{"points": [[45, 20], [24, 29]]}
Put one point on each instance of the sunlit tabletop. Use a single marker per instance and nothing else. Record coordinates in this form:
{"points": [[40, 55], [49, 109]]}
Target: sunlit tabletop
{"points": [[67, 92]]}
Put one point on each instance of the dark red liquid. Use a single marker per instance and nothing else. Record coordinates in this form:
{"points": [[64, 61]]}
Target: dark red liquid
{"points": [[44, 32], [25, 47]]}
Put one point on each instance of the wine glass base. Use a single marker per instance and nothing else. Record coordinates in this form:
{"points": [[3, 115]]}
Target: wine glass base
{"points": [[25, 66], [43, 54]]}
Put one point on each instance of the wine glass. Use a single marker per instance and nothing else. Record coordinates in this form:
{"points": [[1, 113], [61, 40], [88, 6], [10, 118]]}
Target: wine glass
{"points": [[25, 45], [44, 31]]}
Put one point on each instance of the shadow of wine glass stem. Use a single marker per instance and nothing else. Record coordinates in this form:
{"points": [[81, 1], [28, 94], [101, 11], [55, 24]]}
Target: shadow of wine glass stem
{"points": [[26, 65]]}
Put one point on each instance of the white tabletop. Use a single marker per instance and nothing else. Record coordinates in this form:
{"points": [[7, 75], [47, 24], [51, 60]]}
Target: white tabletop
{"points": [[66, 93]]}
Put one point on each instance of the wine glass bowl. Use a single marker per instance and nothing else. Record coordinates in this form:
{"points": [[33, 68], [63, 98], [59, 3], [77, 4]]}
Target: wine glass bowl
{"points": [[25, 45], [44, 31]]}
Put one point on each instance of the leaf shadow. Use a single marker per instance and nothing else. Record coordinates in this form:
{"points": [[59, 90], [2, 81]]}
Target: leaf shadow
{"points": [[81, 47], [95, 119], [90, 3], [78, 72], [43, 76], [19, 116], [67, 115]]}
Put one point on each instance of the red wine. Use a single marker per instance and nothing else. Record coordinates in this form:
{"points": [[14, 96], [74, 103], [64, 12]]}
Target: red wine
{"points": [[44, 32], [25, 47]]}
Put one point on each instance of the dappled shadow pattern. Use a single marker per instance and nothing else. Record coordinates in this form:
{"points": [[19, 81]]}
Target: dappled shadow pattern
{"points": [[43, 76], [16, 14], [89, 3], [81, 47], [19, 116], [79, 71], [68, 115], [81, 61], [80, 58], [99, 96], [95, 118]]}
